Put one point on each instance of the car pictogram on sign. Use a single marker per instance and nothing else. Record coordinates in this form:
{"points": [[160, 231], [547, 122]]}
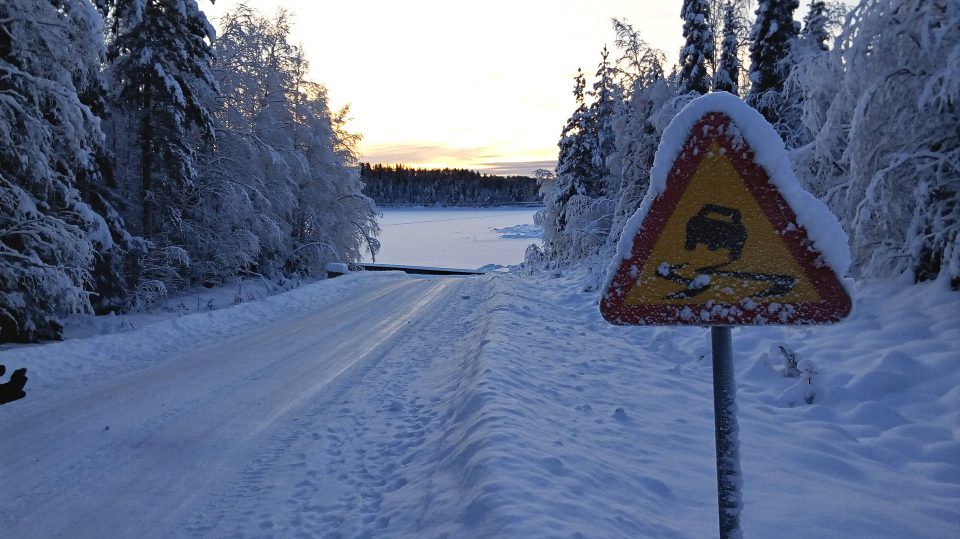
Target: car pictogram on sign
{"points": [[716, 226]]}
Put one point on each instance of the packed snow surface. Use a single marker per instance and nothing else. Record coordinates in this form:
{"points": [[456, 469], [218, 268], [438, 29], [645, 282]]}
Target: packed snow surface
{"points": [[493, 406], [455, 237]]}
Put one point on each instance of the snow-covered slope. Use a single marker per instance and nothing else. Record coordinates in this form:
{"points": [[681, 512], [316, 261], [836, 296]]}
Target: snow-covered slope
{"points": [[477, 407]]}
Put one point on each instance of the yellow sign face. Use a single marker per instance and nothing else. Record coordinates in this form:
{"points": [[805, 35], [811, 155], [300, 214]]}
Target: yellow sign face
{"points": [[718, 246]]}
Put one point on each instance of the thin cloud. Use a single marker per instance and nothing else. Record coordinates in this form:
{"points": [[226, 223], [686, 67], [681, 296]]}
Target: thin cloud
{"points": [[424, 153], [515, 168]]}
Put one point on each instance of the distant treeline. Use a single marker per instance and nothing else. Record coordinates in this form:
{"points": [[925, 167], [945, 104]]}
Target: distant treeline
{"points": [[399, 185]]}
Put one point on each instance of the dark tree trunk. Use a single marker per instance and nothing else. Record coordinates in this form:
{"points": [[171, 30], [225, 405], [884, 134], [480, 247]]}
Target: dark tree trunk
{"points": [[146, 163]]}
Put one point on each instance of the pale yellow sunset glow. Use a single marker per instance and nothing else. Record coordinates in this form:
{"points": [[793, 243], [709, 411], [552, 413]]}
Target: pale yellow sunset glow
{"points": [[481, 85]]}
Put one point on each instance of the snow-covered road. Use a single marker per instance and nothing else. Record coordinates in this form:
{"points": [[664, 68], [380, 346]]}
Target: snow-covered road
{"points": [[142, 451]]}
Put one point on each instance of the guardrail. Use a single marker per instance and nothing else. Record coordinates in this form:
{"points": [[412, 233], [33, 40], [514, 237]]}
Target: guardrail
{"points": [[419, 270]]}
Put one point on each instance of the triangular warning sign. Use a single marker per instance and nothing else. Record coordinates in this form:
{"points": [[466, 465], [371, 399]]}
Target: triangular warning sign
{"points": [[720, 245]]}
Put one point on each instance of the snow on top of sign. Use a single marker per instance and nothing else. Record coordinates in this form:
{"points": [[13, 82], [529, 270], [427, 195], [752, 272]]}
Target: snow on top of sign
{"points": [[822, 226]]}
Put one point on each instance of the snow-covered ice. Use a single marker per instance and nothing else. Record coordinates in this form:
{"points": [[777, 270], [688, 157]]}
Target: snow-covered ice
{"points": [[520, 231], [455, 237]]}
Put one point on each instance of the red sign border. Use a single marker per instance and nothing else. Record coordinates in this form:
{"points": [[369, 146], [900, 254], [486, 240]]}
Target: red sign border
{"points": [[835, 303]]}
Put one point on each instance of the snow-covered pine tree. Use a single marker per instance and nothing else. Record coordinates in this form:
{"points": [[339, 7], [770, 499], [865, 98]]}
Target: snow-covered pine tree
{"points": [[606, 96], [887, 153], [727, 76], [574, 163], [577, 211], [770, 39], [815, 25], [163, 88], [698, 49], [111, 285], [576, 151], [98, 187], [48, 235], [809, 76]]}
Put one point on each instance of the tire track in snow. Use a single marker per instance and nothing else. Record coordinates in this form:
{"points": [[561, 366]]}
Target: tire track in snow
{"points": [[337, 472], [180, 430]]}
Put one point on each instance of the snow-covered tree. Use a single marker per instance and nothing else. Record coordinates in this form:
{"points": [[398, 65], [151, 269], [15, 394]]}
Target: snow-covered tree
{"points": [[577, 210], [816, 25], [575, 160], [574, 163], [605, 98], [638, 128], [159, 70], [49, 236], [742, 14], [726, 78], [698, 49], [811, 80], [583, 224], [886, 157], [639, 63], [245, 179], [333, 220], [770, 40], [281, 189], [636, 125]]}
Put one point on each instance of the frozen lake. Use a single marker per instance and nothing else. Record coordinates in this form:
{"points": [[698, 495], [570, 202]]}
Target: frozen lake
{"points": [[456, 237]]}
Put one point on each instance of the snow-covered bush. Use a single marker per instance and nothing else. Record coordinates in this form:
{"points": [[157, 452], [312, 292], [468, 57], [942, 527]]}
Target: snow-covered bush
{"points": [[281, 190], [638, 129], [886, 153]]}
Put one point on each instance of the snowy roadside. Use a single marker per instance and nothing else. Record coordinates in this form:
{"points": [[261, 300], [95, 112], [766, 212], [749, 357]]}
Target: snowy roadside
{"points": [[607, 431]]}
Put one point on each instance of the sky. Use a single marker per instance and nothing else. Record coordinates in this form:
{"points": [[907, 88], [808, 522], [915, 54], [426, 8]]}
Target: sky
{"points": [[480, 85]]}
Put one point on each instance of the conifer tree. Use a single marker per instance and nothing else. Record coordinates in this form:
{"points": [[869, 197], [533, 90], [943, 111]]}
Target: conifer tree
{"points": [[805, 96], [770, 39], [698, 49], [575, 160], [815, 25], [574, 164], [162, 93], [606, 95], [159, 67], [726, 77], [99, 188]]}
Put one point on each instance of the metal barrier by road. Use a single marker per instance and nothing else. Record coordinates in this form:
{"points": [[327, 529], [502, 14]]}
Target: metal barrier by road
{"points": [[419, 270]]}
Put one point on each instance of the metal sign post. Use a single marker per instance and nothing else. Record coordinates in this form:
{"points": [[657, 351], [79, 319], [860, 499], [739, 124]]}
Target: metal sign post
{"points": [[717, 244], [727, 432]]}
